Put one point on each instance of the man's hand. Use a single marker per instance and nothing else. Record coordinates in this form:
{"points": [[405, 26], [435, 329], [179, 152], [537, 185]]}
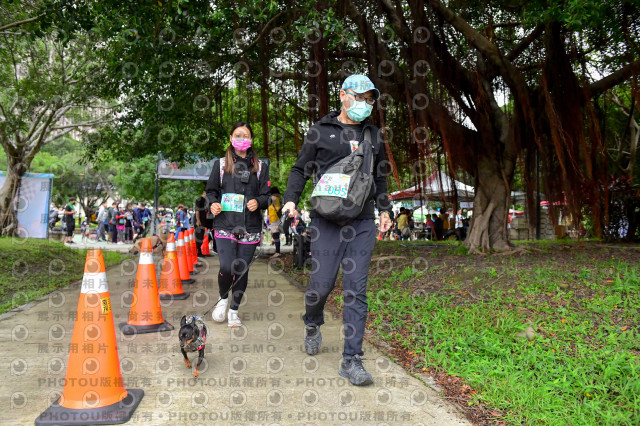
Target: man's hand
{"points": [[252, 205], [291, 206], [385, 222], [216, 208]]}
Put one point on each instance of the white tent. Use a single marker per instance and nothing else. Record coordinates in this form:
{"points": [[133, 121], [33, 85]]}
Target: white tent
{"points": [[434, 187]]}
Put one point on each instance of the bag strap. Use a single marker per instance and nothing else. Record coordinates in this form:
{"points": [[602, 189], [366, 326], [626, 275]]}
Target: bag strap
{"points": [[367, 138]]}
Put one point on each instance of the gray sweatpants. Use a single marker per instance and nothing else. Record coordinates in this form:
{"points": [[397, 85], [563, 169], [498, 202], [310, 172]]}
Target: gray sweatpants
{"points": [[350, 246]]}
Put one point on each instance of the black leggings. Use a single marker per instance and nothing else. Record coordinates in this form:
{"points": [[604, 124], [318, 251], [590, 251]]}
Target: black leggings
{"points": [[234, 260], [276, 240]]}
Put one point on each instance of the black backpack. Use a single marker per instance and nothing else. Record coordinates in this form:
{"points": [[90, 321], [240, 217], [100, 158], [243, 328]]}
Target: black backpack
{"points": [[341, 191]]}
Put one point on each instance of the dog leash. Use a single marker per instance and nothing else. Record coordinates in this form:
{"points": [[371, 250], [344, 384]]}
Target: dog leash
{"points": [[255, 256]]}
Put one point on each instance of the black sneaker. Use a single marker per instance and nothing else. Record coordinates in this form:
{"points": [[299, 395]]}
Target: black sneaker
{"points": [[312, 339], [351, 368]]}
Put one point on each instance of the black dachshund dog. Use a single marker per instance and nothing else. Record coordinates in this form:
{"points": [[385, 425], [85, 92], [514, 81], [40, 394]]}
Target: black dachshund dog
{"points": [[193, 336]]}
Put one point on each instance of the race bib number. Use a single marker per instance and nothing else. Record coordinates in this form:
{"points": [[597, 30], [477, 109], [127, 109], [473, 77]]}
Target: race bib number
{"points": [[332, 184], [232, 203]]}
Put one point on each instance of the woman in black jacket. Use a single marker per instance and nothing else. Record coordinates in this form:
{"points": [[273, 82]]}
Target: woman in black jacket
{"points": [[238, 189]]}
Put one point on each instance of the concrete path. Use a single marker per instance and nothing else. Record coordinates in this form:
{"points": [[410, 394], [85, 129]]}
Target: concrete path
{"points": [[79, 243], [256, 374]]}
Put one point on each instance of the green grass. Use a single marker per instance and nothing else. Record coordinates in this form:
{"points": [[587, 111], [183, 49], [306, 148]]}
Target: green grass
{"points": [[32, 268], [582, 366]]}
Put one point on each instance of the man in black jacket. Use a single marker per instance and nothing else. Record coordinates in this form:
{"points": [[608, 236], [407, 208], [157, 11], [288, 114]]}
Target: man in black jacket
{"points": [[328, 141]]}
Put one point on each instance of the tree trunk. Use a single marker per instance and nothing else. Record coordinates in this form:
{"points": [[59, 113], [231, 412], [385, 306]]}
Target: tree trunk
{"points": [[264, 98], [488, 227], [8, 218], [322, 79], [312, 93]]}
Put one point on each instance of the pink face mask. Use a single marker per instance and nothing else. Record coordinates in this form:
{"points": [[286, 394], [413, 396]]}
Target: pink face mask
{"points": [[241, 144]]}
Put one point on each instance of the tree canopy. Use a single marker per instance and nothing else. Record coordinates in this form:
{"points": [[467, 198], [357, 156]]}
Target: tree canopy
{"points": [[496, 93]]}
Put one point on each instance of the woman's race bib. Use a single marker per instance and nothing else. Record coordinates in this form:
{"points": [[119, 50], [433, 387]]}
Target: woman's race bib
{"points": [[232, 203]]}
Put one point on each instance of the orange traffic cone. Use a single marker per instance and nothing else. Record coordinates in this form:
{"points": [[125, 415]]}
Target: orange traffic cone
{"points": [[93, 389], [170, 284], [194, 249], [189, 249], [188, 243], [145, 315], [183, 260], [204, 248]]}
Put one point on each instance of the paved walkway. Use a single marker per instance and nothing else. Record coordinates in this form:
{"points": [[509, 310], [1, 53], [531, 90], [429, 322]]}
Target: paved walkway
{"points": [[79, 243], [257, 374]]}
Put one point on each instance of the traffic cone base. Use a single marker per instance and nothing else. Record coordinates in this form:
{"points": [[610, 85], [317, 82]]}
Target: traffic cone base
{"points": [[128, 329], [94, 391], [113, 414], [181, 296], [189, 281]]}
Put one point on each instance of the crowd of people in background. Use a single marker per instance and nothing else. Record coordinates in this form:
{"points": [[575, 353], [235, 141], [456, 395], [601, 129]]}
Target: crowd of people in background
{"points": [[434, 227], [124, 223], [118, 223], [121, 223]]}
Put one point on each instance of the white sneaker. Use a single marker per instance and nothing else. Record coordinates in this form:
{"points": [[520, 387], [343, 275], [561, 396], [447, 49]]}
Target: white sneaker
{"points": [[220, 310], [234, 320]]}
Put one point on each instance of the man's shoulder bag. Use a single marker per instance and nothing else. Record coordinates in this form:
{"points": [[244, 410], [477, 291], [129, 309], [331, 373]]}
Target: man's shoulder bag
{"points": [[342, 190]]}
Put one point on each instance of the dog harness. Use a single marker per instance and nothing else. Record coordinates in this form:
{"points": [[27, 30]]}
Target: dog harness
{"points": [[158, 244], [201, 330]]}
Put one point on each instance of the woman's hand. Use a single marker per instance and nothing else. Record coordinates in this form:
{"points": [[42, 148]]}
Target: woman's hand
{"points": [[252, 205], [216, 208]]}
